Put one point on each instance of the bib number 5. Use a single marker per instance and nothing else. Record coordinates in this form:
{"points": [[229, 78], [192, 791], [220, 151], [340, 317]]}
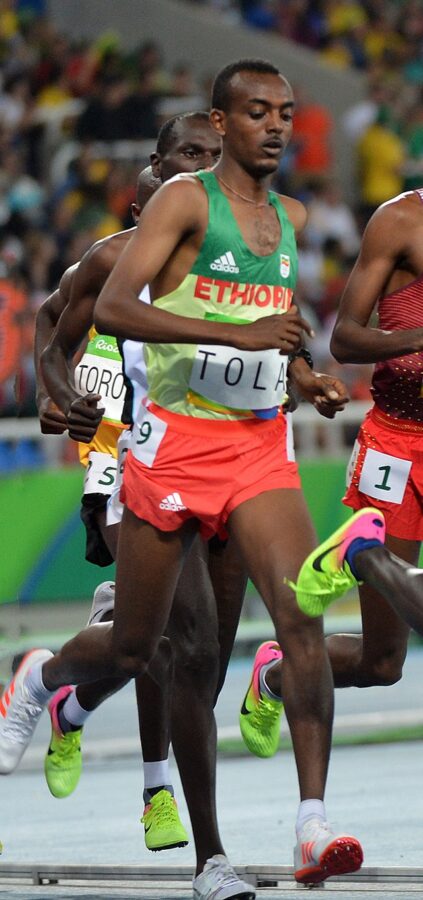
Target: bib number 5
{"points": [[100, 475]]}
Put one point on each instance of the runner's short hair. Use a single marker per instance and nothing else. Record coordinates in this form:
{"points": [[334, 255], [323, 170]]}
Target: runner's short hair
{"points": [[166, 135], [221, 90]]}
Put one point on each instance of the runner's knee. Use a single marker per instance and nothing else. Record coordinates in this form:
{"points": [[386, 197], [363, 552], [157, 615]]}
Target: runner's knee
{"points": [[198, 659], [133, 657], [383, 671], [300, 637]]}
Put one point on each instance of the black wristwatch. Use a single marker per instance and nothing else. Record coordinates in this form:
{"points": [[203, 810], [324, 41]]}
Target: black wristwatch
{"points": [[302, 353]]}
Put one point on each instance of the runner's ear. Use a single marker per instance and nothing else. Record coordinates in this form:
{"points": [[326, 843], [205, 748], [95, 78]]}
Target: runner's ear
{"points": [[156, 164], [218, 121]]}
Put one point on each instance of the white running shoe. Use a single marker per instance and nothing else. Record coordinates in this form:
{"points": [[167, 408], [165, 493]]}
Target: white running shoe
{"points": [[103, 602], [219, 881], [319, 853], [19, 713]]}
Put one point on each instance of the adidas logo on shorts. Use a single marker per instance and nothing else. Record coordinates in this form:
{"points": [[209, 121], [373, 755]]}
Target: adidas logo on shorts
{"points": [[173, 502], [225, 263]]}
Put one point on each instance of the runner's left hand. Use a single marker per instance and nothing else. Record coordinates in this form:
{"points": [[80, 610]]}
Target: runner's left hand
{"points": [[327, 393]]}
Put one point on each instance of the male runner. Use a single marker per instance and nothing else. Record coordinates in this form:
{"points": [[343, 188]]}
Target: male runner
{"points": [[185, 143], [211, 438], [70, 708], [387, 464], [386, 469]]}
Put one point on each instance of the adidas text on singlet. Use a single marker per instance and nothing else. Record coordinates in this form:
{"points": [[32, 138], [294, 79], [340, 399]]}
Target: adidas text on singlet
{"points": [[227, 283]]}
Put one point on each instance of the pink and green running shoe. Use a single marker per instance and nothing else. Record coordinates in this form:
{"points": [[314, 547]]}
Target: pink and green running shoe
{"points": [[326, 575], [259, 718], [63, 760], [163, 828]]}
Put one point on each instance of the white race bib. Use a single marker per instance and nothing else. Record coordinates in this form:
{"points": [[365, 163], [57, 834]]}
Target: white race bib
{"points": [[97, 374], [114, 506], [100, 474], [239, 379], [123, 446], [147, 435], [384, 477]]}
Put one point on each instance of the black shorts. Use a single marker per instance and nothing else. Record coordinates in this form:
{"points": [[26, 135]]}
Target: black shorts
{"points": [[96, 550]]}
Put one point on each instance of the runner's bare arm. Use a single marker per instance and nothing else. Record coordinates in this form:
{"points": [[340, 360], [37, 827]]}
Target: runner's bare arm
{"points": [[52, 420], [177, 212], [328, 394], [72, 329], [383, 245]]}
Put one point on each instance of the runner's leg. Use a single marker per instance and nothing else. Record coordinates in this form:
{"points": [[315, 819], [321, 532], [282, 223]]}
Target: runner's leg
{"points": [[400, 583], [144, 596], [271, 552], [229, 580], [376, 656], [193, 634]]}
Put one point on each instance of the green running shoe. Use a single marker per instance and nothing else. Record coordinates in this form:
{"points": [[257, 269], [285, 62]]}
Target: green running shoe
{"points": [[163, 828], [63, 760], [325, 575], [259, 718]]}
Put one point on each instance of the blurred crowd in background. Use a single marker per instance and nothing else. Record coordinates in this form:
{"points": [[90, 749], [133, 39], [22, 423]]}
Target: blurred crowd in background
{"points": [[78, 121]]}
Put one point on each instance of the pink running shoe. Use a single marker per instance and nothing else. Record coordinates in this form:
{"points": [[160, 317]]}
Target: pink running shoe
{"points": [[259, 718], [63, 760], [325, 575]]}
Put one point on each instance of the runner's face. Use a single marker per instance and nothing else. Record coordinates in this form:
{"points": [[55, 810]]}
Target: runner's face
{"points": [[195, 146], [258, 124]]}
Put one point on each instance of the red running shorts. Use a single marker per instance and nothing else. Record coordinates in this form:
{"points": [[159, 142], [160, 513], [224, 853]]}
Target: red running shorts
{"points": [[386, 471], [180, 468]]}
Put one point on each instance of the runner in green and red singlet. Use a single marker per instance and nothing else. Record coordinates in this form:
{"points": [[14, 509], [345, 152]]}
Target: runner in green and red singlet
{"points": [[209, 453]]}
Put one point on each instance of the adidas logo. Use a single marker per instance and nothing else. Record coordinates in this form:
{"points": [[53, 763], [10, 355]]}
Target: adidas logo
{"points": [[225, 263], [172, 502]]}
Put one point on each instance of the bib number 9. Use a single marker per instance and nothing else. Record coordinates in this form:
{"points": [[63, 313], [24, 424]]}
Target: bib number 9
{"points": [[147, 436], [144, 431]]}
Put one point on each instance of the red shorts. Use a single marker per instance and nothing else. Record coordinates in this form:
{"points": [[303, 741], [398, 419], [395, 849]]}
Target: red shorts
{"points": [[386, 471], [180, 468]]}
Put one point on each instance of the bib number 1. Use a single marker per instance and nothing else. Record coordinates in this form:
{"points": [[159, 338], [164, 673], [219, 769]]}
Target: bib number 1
{"points": [[384, 486], [384, 477]]}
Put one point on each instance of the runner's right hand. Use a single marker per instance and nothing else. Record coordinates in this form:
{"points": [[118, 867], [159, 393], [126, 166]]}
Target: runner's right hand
{"points": [[84, 417], [283, 332]]}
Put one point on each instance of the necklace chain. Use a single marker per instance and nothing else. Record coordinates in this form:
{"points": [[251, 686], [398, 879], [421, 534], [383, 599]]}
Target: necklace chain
{"points": [[241, 196]]}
